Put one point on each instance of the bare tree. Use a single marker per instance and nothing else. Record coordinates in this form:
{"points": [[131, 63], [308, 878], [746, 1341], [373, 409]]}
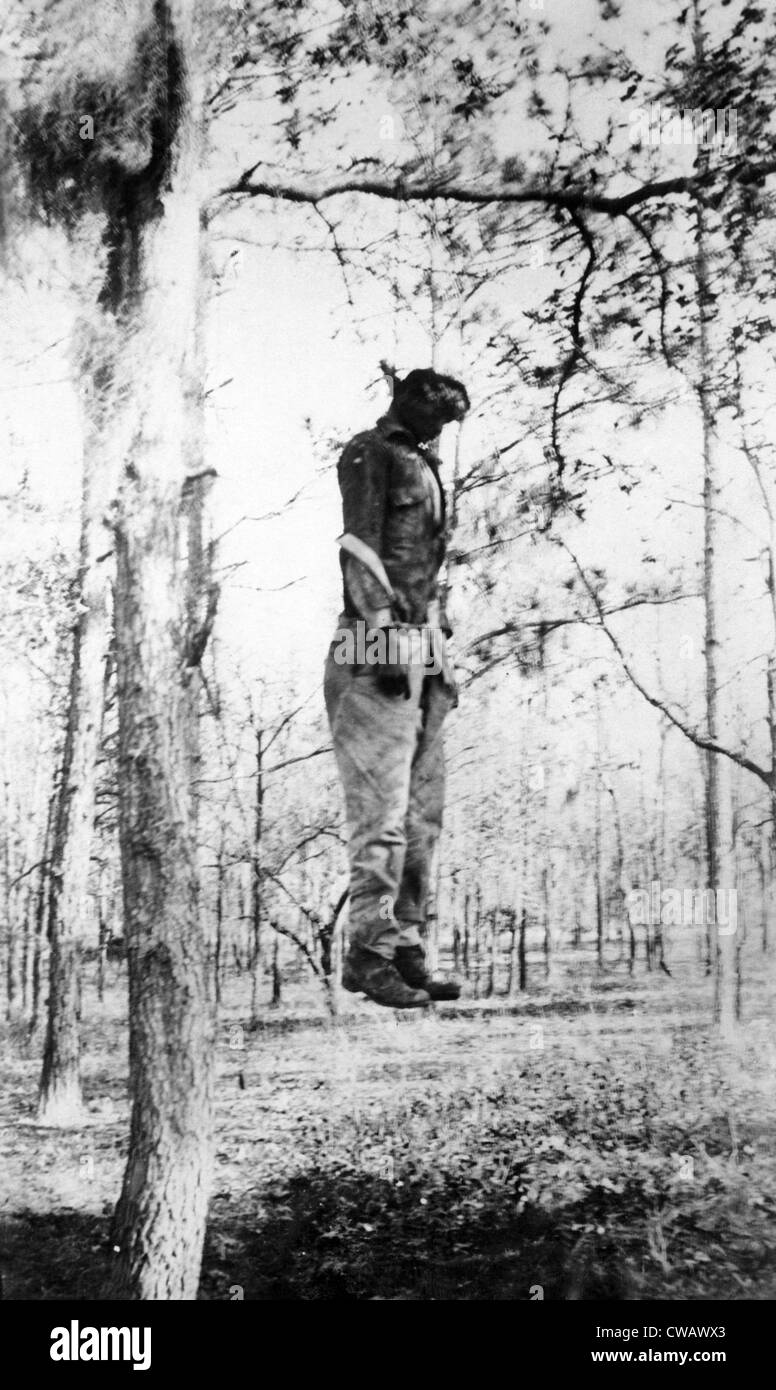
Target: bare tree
{"points": [[60, 1099]]}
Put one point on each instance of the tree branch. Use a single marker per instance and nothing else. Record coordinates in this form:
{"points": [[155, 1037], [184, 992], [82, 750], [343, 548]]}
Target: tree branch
{"points": [[251, 185], [577, 348], [709, 745]]}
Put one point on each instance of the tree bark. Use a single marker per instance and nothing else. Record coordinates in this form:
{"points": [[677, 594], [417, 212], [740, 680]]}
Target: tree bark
{"points": [[160, 1218]]}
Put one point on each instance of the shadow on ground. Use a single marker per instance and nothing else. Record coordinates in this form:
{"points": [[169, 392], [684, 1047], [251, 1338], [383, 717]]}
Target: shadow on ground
{"points": [[61, 1255], [339, 1235], [378, 1244]]}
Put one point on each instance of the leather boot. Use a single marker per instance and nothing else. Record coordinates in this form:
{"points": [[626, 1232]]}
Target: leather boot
{"points": [[377, 978], [411, 965]]}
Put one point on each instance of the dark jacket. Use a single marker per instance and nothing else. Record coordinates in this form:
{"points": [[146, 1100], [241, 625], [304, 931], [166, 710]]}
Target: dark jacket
{"points": [[392, 500]]}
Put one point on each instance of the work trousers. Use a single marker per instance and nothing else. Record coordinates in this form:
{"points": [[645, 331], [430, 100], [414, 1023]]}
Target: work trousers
{"points": [[390, 756]]}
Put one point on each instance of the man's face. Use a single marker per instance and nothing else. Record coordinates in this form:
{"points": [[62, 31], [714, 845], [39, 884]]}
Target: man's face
{"points": [[423, 419], [426, 401]]}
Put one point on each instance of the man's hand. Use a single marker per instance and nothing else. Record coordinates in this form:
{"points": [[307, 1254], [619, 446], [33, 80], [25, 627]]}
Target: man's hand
{"points": [[392, 673], [444, 664]]}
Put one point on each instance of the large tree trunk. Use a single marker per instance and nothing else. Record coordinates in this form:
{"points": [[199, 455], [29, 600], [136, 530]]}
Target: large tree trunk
{"points": [[160, 1219], [60, 1100]]}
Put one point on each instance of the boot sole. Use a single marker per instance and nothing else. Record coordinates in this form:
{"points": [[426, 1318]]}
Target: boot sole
{"points": [[408, 1004], [438, 991]]}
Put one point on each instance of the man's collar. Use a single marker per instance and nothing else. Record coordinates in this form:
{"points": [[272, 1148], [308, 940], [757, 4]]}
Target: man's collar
{"points": [[390, 428]]}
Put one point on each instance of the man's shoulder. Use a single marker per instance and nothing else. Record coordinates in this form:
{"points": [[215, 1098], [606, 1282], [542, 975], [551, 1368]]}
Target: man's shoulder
{"points": [[365, 444]]}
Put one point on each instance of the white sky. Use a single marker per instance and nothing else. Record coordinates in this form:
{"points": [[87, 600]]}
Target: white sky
{"points": [[289, 348]]}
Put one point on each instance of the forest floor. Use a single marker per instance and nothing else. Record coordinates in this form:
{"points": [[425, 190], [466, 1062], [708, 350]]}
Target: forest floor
{"points": [[595, 1142]]}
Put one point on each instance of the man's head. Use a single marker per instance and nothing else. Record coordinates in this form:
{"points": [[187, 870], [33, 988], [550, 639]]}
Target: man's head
{"points": [[426, 400]]}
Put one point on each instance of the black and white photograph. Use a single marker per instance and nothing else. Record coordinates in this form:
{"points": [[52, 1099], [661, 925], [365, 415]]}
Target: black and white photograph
{"points": [[388, 661]]}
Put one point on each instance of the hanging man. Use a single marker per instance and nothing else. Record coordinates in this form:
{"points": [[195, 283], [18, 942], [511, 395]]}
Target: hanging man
{"points": [[388, 686]]}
